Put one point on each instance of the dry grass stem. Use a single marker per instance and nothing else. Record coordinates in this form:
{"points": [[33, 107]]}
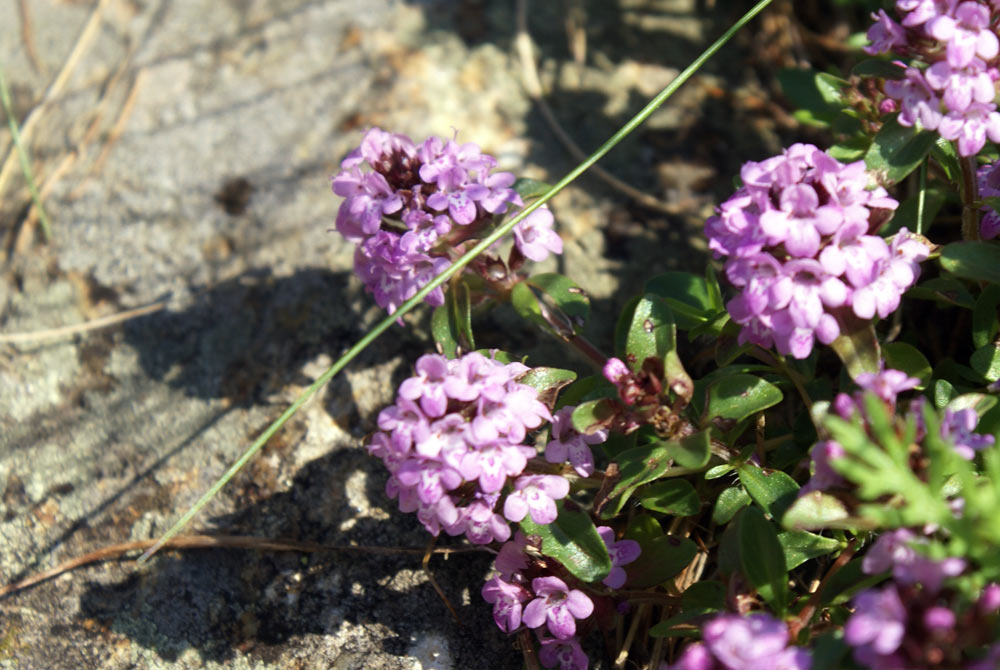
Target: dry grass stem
{"points": [[116, 551]]}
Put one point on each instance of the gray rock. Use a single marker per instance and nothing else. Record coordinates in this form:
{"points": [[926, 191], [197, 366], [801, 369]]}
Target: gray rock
{"points": [[206, 185]]}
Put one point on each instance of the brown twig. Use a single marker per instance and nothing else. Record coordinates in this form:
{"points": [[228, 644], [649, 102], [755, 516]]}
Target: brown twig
{"points": [[970, 213], [809, 610], [123, 116], [430, 577], [219, 542], [86, 326]]}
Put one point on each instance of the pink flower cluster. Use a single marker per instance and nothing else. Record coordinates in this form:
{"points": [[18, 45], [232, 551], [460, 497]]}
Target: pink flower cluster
{"points": [[734, 642], [417, 203], [524, 592], [453, 440], [798, 242], [957, 43], [909, 622]]}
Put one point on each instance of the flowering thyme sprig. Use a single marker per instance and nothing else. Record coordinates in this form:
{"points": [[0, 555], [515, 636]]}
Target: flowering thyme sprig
{"points": [[798, 243], [951, 88], [418, 203]]}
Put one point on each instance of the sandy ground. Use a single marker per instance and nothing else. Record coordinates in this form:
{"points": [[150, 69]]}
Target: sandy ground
{"points": [[185, 164]]}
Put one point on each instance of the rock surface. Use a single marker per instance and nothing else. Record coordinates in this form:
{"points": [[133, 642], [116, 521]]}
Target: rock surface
{"points": [[187, 161]]}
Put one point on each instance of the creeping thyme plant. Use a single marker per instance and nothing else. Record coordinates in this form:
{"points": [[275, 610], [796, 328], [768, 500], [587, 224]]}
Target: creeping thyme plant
{"points": [[788, 461]]}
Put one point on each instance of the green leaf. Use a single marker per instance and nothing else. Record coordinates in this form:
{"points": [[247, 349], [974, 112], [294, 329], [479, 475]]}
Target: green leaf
{"points": [[729, 502], [984, 316], [739, 396], [572, 540], [692, 451], [451, 323], [897, 151], [946, 291], [552, 301], [815, 510], [986, 361], [593, 387], [651, 332], [688, 295], [979, 261], [662, 557], [858, 350], [529, 189], [851, 149], [828, 651], [876, 67], [944, 392], [444, 332], [816, 94], [707, 595], [592, 415], [548, 382], [800, 546], [674, 496], [980, 402], [637, 466], [718, 471], [773, 490], [906, 357], [762, 559]]}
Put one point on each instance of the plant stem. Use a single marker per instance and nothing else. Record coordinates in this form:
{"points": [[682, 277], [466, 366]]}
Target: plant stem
{"points": [[810, 609], [970, 213], [455, 268]]}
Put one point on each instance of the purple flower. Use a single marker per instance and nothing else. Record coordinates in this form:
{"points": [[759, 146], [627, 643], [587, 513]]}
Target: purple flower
{"points": [[887, 383], [507, 599], [796, 237], [745, 642], [824, 477], [878, 623], [452, 441], [569, 445], [967, 33], [535, 237], [989, 187], [535, 494], [621, 552], [556, 605], [957, 428], [884, 34], [562, 654], [695, 657], [894, 550], [989, 599], [939, 619], [511, 558], [401, 213]]}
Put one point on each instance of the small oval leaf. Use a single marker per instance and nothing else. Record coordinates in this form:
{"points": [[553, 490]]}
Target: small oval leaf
{"points": [[572, 540], [739, 396]]}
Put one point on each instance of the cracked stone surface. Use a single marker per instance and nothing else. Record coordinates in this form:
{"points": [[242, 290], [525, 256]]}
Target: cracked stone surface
{"points": [[187, 161]]}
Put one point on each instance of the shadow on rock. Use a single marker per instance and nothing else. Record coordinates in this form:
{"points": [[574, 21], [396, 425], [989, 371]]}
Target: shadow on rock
{"points": [[248, 335], [218, 602]]}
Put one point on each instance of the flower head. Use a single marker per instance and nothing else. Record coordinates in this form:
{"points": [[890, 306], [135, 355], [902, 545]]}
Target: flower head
{"points": [[404, 213], [454, 438], [798, 244]]}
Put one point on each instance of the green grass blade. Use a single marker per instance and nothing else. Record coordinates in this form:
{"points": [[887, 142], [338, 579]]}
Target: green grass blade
{"points": [[22, 155], [456, 267]]}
